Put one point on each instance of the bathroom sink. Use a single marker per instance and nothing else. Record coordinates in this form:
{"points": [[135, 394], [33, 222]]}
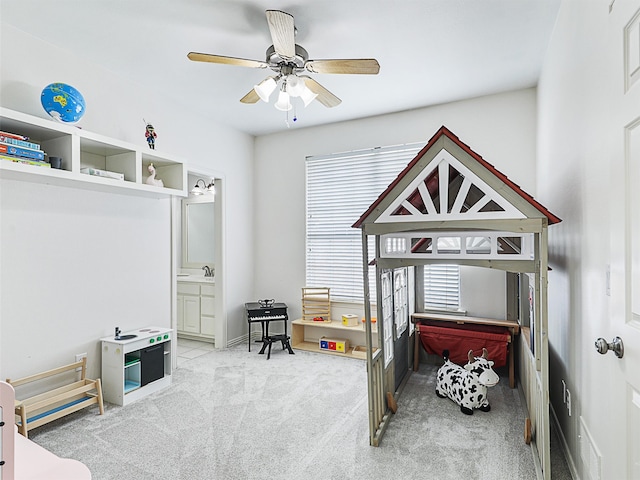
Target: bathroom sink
{"points": [[195, 278], [125, 337]]}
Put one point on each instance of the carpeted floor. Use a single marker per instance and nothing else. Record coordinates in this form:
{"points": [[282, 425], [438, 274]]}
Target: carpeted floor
{"points": [[230, 414]]}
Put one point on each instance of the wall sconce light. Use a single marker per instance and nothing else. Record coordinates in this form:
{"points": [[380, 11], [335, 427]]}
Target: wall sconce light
{"points": [[198, 190]]}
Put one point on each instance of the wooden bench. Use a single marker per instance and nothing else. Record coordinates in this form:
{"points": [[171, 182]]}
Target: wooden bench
{"points": [[52, 404], [508, 326]]}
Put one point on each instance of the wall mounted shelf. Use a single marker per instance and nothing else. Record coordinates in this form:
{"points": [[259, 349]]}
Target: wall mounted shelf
{"points": [[80, 149]]}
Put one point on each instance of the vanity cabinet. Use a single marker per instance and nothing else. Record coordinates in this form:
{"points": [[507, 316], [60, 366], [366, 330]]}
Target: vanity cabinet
{"points": [[81, 150], [207, 310], [196, 310], [188, 308]]}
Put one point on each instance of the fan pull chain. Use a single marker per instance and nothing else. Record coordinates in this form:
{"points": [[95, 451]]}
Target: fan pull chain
{"points": [[295, 116]]}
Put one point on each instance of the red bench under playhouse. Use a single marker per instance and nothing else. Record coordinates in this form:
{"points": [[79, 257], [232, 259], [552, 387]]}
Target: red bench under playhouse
{"points": [[459, 334]]}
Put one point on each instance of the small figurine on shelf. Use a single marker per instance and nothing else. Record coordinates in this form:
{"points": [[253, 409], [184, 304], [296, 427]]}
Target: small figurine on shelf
{"points": [[150, 134], [151, 179]]}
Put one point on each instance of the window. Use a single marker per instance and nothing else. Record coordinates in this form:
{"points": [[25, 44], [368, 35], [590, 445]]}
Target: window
{"points": [[441, 287], [339, 189]]}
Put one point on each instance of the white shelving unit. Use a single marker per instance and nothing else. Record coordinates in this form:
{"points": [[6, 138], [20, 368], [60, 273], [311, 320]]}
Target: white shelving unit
{"points": [[81, 149], [129, 370], [306, 334]]}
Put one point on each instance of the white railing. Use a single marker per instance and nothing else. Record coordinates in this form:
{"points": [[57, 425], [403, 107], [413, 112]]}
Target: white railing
{"points": [[537, 406], [377, 400], [478, 245]]}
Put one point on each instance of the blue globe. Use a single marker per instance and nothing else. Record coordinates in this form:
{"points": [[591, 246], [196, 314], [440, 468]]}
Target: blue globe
{"points": [[63, 102]]}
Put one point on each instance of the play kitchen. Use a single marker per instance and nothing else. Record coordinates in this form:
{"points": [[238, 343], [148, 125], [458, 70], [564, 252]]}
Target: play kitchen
{"points": [[135, 363]]}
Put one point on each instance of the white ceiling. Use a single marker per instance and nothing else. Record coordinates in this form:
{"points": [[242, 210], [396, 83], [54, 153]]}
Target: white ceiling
{"points": [[430, 51]]}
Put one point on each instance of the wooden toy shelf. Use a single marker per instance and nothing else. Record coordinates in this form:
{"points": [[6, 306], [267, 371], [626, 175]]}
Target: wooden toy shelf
{"points": [[305, 336], [52, 404]]}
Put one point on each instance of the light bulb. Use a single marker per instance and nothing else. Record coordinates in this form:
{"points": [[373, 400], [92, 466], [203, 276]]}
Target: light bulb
{"points": [[283, 102], [307, 96], [295, 86], [265, 88]]}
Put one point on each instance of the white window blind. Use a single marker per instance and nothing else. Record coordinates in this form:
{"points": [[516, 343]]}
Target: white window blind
{"points": [[339, 189], [441, 287]]}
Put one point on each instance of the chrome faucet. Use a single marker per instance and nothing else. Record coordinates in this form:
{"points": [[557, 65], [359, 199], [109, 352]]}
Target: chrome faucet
{"points": [[208, 272]]}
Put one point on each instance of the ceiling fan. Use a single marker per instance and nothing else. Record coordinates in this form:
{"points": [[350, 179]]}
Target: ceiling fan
{"points": [[289, 60]]}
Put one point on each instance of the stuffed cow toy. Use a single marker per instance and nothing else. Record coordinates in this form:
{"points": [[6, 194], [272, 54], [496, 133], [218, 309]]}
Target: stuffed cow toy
{"points": [[467, 386]]}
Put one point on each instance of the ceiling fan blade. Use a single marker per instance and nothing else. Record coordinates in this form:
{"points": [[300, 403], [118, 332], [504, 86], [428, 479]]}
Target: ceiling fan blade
{"points": [[240, 62], [364, 66], [325, 97], [282, 31], [251, 97]]}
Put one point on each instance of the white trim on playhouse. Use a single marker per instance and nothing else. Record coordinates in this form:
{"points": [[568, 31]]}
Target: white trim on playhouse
{"points": [[476, 245], [443, 168]]}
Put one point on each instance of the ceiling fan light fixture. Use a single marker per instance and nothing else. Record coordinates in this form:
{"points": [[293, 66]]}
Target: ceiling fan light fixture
{"points": [[283, 104], [265, 88], [288, 60], [307, 96], [295, 85]]}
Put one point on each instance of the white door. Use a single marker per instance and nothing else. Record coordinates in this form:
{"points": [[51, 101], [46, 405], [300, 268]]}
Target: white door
{"points": [[401, 326], [623, 130], [387, 315]]}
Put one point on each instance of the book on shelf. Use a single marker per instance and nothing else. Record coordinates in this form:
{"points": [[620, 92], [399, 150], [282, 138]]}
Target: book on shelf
{"points": [[102, 173], [4, 138], [14, 135], [26, 161], [21, 152]]}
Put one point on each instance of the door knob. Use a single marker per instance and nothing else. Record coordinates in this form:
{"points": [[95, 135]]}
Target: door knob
{"points": [[616, 346]]}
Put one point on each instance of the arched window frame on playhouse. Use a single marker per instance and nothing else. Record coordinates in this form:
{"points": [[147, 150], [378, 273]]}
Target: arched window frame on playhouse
{"points": [[451, 206]]}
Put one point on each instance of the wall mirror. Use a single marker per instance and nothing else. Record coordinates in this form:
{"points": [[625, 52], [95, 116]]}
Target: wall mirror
{"points": [[198, 230]]}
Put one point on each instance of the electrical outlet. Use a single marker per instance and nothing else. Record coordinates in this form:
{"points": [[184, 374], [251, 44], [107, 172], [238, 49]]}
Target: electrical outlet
{"points": [[80, 356], [569, 402]]}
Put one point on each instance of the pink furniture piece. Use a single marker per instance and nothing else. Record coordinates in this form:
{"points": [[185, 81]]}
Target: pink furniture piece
{"points": [[26, 460]]}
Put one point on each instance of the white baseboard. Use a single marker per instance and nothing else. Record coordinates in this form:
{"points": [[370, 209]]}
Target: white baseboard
{"points": [[237, 340], [563, 445]]}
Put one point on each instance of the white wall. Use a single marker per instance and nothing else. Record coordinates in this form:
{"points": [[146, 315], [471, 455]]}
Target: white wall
{"points": [[76, 263], [501, 128], [483, 292], [573, 180]]}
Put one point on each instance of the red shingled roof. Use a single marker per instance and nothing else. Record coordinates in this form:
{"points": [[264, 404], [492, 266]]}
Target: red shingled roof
{"points": [[445, 131]]}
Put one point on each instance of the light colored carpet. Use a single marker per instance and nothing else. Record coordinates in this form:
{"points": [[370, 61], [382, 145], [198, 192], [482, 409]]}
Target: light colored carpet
{"points": [[230, 414]]}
